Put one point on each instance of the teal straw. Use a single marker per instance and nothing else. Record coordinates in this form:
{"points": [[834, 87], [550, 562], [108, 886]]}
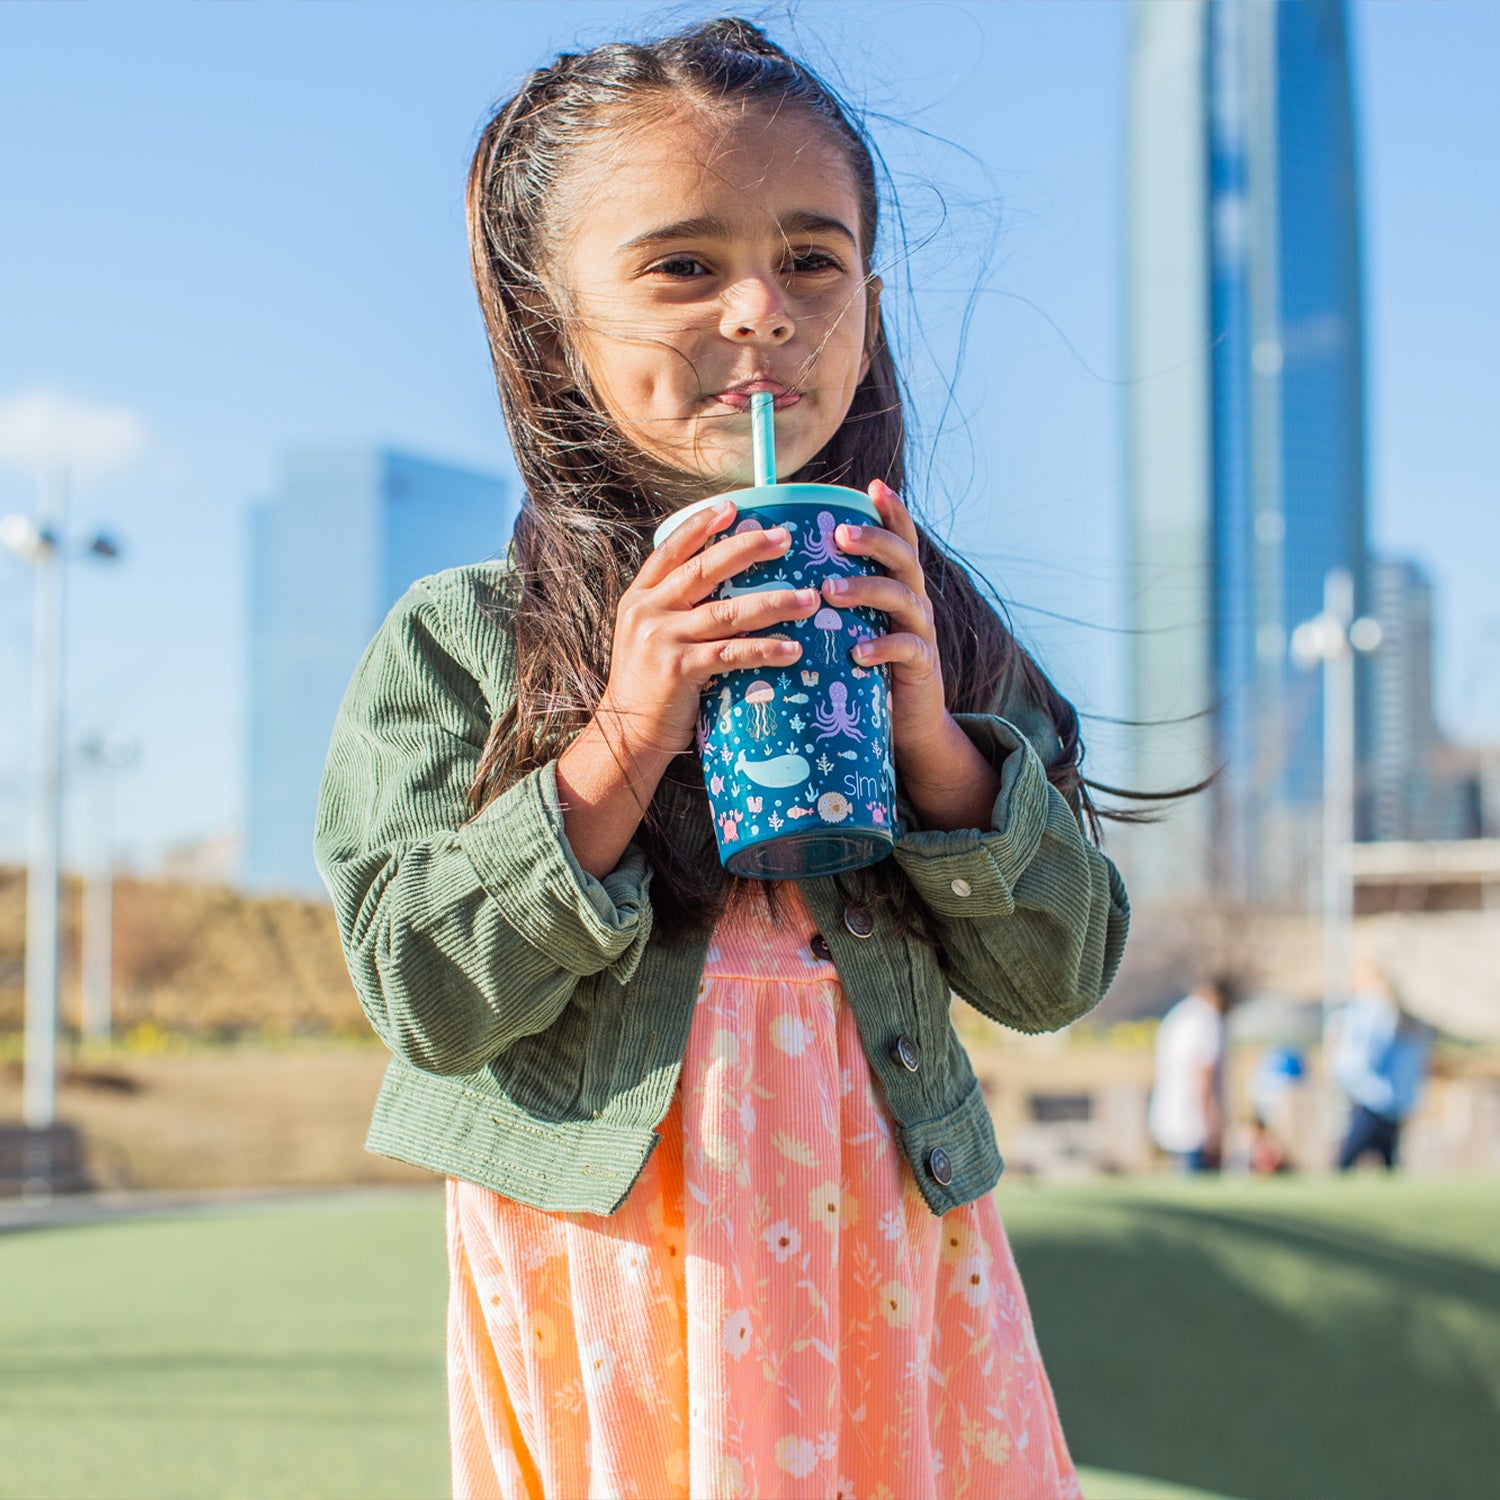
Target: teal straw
{"points": [[763, 437]]}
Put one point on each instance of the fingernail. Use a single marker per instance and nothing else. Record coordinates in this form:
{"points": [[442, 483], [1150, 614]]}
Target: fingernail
{"points": [[722, 509], [838, 585], [861, 652], [854, 532], [778, 533], [807, 596]]}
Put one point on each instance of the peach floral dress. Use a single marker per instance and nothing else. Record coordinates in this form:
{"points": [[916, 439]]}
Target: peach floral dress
{"points": [[773, 1312]]}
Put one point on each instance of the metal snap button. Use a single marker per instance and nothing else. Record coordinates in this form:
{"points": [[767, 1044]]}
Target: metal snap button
{"points": [[939, 1166], [961, 887], [820, 948], [907, 1053], [860, 920]]}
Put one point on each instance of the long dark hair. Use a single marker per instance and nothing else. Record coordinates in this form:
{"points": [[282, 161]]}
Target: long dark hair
{"points": [[591, 499]]}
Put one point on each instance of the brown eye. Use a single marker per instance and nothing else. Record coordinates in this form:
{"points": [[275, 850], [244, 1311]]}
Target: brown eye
{"points": [[683, 266]]}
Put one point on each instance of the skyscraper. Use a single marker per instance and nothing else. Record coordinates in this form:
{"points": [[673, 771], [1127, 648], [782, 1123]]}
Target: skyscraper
{"points": [[330, 552], [1404, 736], [1245, 421]]}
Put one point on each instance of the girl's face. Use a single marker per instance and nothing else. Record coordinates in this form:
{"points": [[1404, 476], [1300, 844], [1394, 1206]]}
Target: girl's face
{"points": [[702, 259]]}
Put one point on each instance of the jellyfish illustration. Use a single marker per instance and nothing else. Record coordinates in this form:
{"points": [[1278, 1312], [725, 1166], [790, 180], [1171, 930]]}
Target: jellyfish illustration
{"points": [[828, 621], [840, 717], [748, 524], [822, 548], [726, 711], [762, 720]]}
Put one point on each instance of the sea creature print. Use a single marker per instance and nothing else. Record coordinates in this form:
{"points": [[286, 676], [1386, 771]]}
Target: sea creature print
{"points": [[860, 671], [822, 548], [829, 621], [779, 771], [748, 524], [796, 697], [840, 717], [762, 720], [755, 803], [809, 679], [799, 812], [726, 711], [848, 754], [716, 784], [834, 807], [730, 823], [797, 723], [877, 813]]}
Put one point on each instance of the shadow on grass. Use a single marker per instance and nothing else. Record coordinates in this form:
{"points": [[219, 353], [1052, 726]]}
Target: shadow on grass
{"points": [[1264, 1357]]}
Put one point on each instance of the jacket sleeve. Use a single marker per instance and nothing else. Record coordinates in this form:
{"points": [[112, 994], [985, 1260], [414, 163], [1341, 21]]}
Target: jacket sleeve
{"points": [[1032, 917], [461, 934]]}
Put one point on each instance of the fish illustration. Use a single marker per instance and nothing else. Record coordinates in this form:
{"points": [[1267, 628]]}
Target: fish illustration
{"points": [[799, 812], [779, 770], [794, 698], [848, 754]]}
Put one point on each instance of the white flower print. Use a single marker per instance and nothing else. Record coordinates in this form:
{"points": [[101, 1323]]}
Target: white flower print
{"points": [[829, 1205], [790, 1035], [736, 1336], [971, 1279], [634, 1261], [797, 1456], [897, 1304], [747, 1115], [892, 1224], [598, 1361], [783, 1239]]}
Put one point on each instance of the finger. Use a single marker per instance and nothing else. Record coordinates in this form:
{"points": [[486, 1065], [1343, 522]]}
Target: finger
{"points": [[685, 542], [697, 577], [895, 515], [753, 652], [900, 650], [718, 619], [907, 609], [897, 556]]}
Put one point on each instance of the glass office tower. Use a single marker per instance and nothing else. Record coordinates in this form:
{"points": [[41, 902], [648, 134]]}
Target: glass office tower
{"points": [[1244, 422], [330, 553]]}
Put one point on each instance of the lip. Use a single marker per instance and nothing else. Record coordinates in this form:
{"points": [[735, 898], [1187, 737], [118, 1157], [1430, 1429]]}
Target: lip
{"points": [[738, 395]]}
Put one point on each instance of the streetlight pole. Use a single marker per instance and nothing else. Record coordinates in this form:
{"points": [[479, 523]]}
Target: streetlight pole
{"points": [[39, 1083], [105, 754], [1330, 639]]}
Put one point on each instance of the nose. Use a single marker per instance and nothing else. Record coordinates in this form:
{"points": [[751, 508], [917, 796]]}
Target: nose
{"points": [[755, 312]]}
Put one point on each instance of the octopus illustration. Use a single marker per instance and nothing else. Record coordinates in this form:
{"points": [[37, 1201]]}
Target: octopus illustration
{"points": [[839, 717], [762, 720], [821, 548]]}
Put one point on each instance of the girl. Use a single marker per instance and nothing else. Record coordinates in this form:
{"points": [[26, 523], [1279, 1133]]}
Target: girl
{"points": [[719, 1209]]}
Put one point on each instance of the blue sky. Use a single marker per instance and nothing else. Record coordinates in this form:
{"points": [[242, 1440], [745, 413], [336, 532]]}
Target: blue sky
{"points": [[244, 224]]}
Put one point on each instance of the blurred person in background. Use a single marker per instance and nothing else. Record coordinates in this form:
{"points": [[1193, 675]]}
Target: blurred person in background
{"points": [[1378, 1056], [1276, 1078], [1187, 1113]]}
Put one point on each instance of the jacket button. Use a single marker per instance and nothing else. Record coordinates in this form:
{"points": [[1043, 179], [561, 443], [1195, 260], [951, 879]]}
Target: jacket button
{"points": [[961, 887], [907, 1053], [820, 948], [939, 1166], [860, 920]]}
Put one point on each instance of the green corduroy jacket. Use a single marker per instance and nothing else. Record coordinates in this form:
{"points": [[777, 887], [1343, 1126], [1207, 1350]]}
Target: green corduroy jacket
{"points": [[538, 1023]]}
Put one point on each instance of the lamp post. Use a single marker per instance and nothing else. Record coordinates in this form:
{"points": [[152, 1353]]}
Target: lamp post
{"points": [[1330, 639], [41, 543], [105, 754]]}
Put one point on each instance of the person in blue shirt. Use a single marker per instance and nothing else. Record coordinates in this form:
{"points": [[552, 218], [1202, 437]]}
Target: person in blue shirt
{"points": [[1379, 1059]]}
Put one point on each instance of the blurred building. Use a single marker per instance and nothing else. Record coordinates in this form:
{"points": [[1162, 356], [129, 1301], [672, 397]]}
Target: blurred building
{"points": [[1404, 737], [330, 552], [1245, 435]]}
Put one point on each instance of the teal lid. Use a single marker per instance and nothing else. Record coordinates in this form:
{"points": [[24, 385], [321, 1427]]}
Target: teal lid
{"points": [[775, 496]]}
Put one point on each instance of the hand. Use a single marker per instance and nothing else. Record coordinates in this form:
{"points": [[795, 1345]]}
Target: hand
{"points": [[921, 730], [671, 637]]}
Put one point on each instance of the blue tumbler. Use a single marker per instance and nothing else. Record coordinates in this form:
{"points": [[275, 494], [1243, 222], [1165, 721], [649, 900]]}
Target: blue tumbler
{"points": [[797, 761]]}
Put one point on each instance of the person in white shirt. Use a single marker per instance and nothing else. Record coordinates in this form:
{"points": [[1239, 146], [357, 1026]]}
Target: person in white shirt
{"points": [[1186, 1114]]}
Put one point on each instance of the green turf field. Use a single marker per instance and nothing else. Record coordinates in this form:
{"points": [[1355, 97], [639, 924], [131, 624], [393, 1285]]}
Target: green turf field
{"points": [[1264, 1341]]}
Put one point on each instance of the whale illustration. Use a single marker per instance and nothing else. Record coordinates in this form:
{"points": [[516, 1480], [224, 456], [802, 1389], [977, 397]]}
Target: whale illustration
{"points": [[780, 770], [734, 591]]}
